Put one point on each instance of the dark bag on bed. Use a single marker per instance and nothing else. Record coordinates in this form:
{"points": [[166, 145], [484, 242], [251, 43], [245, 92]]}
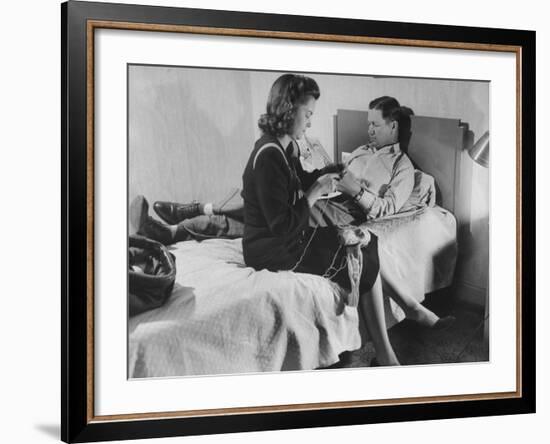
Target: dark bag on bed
{"points": [[151, 274]]}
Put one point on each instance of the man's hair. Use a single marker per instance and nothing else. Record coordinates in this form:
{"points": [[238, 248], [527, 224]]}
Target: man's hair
{"points": [[392, 111]]}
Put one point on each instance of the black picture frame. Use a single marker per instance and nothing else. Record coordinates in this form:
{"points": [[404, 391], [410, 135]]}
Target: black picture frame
{"points": [[78, 423]]}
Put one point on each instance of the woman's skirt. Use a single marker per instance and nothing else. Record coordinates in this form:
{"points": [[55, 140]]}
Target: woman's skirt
{"points": [[325, 255]]}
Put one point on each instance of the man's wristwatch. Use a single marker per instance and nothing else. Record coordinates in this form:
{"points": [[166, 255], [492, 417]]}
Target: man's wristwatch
{"points": [[359, 195]]}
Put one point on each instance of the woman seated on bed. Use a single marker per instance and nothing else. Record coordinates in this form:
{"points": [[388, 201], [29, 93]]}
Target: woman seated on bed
{"points": [[278, 195]]}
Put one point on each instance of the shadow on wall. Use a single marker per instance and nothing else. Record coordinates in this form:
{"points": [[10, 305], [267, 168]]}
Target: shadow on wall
{"points": [[186, 140], [472, 271], [444, 262], [51, 430]]}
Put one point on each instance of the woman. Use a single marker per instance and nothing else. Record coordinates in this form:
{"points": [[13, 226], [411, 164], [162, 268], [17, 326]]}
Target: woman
{"points": [[278, 196]]}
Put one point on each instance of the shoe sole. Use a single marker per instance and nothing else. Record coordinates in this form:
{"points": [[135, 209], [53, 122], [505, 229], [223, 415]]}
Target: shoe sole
{"points": [[138, 212]]}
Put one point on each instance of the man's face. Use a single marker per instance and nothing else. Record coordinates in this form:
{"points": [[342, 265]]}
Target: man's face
{"points": [[381, 132]]}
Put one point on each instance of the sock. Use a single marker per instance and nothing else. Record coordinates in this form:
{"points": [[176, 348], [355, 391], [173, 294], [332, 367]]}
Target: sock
{"points": [[208, 209], [173, 230]]}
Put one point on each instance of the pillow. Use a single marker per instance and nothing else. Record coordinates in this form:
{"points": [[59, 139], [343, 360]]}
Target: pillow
{"points": [[423, 193]]}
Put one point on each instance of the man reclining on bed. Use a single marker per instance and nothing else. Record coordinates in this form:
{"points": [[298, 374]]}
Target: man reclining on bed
{"points": [[380, 177]]}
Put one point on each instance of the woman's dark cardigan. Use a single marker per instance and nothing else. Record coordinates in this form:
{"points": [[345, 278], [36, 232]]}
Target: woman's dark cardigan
{"points": [[276, 219], [276, 213]]}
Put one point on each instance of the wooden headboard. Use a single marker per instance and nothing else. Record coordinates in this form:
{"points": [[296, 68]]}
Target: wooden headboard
{"points": [[436, 147]]}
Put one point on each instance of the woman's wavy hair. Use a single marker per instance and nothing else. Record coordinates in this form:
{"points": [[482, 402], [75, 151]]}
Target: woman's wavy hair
{"points": [[287, 93], [392, 111]]}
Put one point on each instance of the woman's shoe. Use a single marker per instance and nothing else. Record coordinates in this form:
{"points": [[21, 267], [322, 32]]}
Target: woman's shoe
{"points": [[345, 358], [443, 323]]}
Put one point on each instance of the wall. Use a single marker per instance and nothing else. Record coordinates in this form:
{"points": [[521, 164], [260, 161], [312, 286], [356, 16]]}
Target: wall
{"points": [[184, 143]]}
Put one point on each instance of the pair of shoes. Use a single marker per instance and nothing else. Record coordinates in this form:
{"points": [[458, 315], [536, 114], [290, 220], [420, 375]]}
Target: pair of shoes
{"points": [[145, 225], [173, 213], [443, 323]]}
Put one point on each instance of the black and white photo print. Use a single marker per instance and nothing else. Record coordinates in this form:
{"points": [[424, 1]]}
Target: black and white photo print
{"points": [[285, 221]]}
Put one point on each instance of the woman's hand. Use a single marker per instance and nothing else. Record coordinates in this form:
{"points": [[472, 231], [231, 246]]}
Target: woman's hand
{"points": [[338, 168], [323, 185], [348, 184]]}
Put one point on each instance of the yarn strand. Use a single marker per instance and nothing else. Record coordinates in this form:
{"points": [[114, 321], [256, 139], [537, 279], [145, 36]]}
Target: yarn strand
{"points": [[308, 243]]}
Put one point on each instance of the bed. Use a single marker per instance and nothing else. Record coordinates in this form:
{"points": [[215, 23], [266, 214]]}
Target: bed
{"points": [[224, 317]]}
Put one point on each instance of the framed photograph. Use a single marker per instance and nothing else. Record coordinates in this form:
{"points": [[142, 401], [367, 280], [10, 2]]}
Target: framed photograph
{"points": [[275, 221]]}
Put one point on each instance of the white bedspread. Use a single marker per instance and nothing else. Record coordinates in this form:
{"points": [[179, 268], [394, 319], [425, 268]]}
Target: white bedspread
{"points": [[224, 317], [417, 253]]}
